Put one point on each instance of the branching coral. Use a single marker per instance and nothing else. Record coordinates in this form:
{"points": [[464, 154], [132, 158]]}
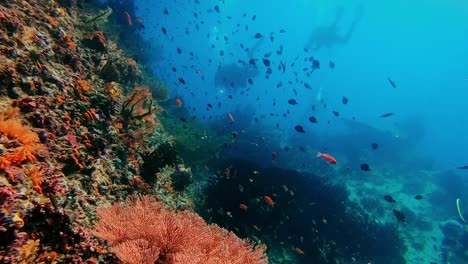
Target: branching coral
{"points": [[134, 106], [145, 231]]}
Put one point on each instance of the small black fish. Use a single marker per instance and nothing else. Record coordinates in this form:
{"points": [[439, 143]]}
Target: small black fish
{"points": [[386, 115], [365, 167], [307, 86], [234, 135], [266, 62], [254, 17], [374, 146], [335, 113], [391, 83], [216, 8], [331, 64], [258, 36], [344, 100], [181, 80], [282, 31], [209, 106], [299, 129], [418, 197], [166, 12], [463, 167], [315, 64], [164, 30], [183, 119], [399, 216], [179, 51], [389, 198], [250, 81], [312, 119], [292, 102]]}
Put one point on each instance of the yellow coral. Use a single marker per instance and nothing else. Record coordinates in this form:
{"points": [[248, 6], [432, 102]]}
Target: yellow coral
{"points": [[17, 221], [29, 250]]}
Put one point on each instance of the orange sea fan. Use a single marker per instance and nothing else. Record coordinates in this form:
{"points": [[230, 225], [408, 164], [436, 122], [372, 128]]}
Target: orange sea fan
{"points": [[145, 231]]}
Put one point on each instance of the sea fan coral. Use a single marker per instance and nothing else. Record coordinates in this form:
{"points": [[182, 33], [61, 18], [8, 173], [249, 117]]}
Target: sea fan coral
{"points": [[145, 231]]}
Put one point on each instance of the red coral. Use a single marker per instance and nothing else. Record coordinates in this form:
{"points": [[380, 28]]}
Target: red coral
{"points": [[146, 231]]}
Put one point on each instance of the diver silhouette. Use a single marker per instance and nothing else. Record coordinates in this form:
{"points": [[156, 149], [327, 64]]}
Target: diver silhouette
{"points": [[237, 75], [327, 36]]}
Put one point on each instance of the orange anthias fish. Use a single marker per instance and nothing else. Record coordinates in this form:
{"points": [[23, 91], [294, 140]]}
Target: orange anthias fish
{"points": [[231, 117], [268, 200], [179, 102], [327, 157], [243, 207], [299, 251]]}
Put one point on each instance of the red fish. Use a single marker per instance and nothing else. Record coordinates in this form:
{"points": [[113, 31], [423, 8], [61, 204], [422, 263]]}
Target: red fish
{"points": [[269, 201], [327, 157], [129, 18], [243, 207], [299, 251], [178, 102], [256, 228], [231, 117]]}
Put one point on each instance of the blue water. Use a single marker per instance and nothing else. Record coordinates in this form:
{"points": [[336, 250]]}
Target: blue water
{"points": [[420, 45]]}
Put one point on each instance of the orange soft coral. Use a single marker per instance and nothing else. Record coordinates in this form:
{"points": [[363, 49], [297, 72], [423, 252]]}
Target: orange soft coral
{"points": [[36, 177], [20, 141]]}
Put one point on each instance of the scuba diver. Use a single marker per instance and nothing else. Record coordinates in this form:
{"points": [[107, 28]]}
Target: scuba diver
{"points": [[327, 36], [237, 75]]}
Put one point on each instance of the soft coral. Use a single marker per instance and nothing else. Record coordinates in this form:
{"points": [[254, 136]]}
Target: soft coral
{"points": [[20, 141]]}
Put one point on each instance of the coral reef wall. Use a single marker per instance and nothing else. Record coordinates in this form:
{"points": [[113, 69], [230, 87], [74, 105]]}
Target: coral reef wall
{"points": [[78, 130]]}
